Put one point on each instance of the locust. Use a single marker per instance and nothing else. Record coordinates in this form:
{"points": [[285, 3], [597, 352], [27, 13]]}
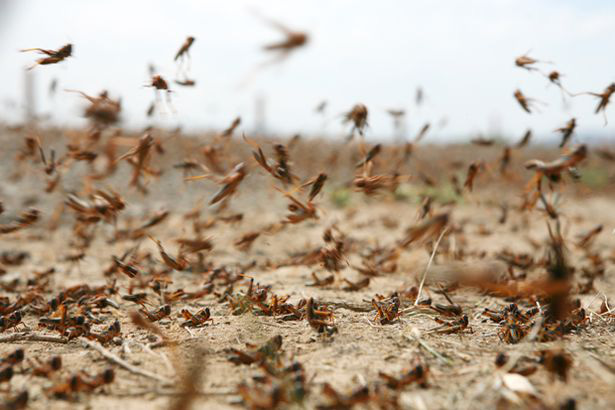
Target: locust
{"points": [[53, 56]]}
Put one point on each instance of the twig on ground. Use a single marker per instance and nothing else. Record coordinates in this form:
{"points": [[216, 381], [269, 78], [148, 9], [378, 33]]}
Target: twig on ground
{"points": [[120, 362], [433, 254], [31, 337]]}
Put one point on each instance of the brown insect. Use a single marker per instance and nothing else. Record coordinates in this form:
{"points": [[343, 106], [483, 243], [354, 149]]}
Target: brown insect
{"points": [[25, 219], [422, 132], [48, 368], [126, 268], [156, 315], [180, 263], [483, 142], [375, 150], [81, 382], [472, 172], [318, 282], [339, 401], [246, 241], [604, 97], [316, 318], [426, 229], [198, 319], [450, 310], [299, 211], [13, 358], [6, 373], [526, 62], [567, 131], [53, 56], [195, 245], [138, 298], [587, 238], [505, 160], [227, 133], [418, 375], [523, 366], [457, 325], [525, 139], [186, 82], [184, 50], [18, 402], [10, 321], [358, 117], [523, 101], [557, 362], [294, 39], [553, 169], [280, 170], [556, 78], [160, 85], [50, 167], [230, 182], [140, 152], [113, 331], [388, 311], [356, 286], [102, 110], [317, 185], [268, 351]]}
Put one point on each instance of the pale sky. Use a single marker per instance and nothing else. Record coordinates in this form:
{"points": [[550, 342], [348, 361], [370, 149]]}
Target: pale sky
{"points": [[376, 52]]}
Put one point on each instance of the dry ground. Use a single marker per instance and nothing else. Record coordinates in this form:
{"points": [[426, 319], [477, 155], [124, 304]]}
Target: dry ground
{"points": [[462, 371]]}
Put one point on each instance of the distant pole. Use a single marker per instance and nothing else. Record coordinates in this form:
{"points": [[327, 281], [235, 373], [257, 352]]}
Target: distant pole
{"points": [[260, 122], [29, 98]]}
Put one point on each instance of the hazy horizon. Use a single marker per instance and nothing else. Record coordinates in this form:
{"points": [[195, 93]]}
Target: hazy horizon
{"points": [[358, 51]]}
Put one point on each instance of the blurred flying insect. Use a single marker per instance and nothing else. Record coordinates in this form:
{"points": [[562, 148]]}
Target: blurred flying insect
{"points": [[184, 50], [555, 77], [294, 40], [53, 56], [245, 242], [422, 132], [526, 62], [472, 172], [322, 107], [183, 66], [482, 141], [298, 210], [604, 97], [228, 132], [160, 85], [186, 82], [525, 139], [138, 157], [180, 263], [229, 183], [282, 49], [524, 101], [317, 185], [358, 117], [567, 131], [375, 150]]}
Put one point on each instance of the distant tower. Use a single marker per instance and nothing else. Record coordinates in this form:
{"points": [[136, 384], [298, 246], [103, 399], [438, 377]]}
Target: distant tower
{"points": [[29, 98], [260, 122]]}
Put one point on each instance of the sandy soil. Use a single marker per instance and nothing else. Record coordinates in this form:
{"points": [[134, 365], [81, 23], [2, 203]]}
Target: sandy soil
{"points": [[462, 373]]}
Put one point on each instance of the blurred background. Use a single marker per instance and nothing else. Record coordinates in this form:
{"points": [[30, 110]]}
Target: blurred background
{"points": [[460, 54]]}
